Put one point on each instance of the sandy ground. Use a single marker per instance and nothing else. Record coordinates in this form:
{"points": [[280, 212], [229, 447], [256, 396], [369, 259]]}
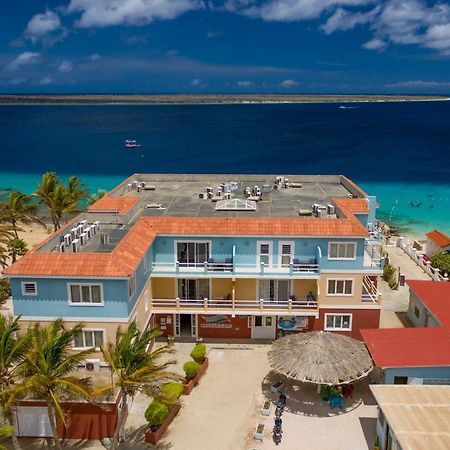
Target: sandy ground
{"points": [[34, 234]]}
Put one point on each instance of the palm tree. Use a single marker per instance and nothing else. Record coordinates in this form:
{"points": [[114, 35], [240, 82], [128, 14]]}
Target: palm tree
{"points": [[45, 191], [47, 368], [18, 208], [134, 368], [12, 353], [6, 234], [16, 247], [76, 189], [96, 197]]}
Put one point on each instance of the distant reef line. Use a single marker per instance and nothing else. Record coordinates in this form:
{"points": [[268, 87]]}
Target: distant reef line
{"points": [[208, 98]]}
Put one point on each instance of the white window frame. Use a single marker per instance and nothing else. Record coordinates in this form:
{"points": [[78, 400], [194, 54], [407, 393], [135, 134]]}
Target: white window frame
{"points": [[263, 321], [103, 330], [191, 278], [69, 294], [334, 328], [146, 300], [258, 248], [191, 241], [23, 283], [352, 280], [338, 258], [132, 283], [276, 281], [280, 255]]}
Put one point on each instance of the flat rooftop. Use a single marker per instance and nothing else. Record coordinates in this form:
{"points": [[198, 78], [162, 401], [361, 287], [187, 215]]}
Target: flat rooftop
{"points": [[231, 196]]}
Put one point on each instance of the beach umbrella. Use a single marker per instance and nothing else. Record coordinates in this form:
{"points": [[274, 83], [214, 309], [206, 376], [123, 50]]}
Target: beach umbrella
{"points": [[320, 357]]}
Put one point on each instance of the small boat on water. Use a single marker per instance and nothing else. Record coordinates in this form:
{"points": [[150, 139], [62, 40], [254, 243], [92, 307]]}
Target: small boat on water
{"points": [[131, 143]]}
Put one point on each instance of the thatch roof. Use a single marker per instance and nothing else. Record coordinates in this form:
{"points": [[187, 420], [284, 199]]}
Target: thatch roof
{"points": [[320, 357]]}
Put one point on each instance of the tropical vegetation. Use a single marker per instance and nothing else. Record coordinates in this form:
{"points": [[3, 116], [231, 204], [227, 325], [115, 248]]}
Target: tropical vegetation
{"points": [[198, 353], [190, 369], [5, 290], [441, 261], [96, 197], [135, 368], [156, 413]]}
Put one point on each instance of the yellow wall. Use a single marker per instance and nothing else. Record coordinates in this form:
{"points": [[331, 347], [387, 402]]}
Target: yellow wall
{"points": [[221, 287], [302, 288], [245, 289], [355, 299], [163, 287]]}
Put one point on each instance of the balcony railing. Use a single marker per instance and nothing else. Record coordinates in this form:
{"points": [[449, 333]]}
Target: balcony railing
{"points": [[227, 265], [372, 257], [370, 292], [232, 306]]}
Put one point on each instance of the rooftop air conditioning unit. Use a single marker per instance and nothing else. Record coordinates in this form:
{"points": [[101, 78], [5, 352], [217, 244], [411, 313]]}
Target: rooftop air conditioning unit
{"points": [[330, 209], [61, 247], [83, 223], [76, 245], [92, 365], [104, 239], [67, 239], [83, 238], [80, 229], [129, 187], [135, 185], [73, 232]]}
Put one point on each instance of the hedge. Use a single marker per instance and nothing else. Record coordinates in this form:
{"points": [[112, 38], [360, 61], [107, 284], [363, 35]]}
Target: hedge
{"points": [[156, 413], [171, 392], [198, 353], [191, 368]]}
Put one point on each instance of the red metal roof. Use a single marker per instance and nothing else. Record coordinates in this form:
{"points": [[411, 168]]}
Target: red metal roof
{"points": [[124, 259], [439, 238], [416, 347]]}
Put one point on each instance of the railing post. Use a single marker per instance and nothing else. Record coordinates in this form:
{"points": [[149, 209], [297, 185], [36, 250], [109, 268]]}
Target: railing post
{"points": [[291, 268], [261, 303], [205, 304], [262, 268], [205, 266], [177, 303], [436, 274], [177, 266], [290, 305]]}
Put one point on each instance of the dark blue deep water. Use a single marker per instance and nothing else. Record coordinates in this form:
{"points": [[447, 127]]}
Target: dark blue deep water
{"points": [[397, 151]]}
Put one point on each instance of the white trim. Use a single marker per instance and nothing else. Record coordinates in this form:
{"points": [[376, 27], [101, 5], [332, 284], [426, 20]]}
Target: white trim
{"points": [[280, 246], [258, 254], [81, 303], [322, 306], [34, 294], [366, 270], [340, 295], [73, 319], [188, 241], [269, 236], [334, 328], [341, 243], [65, 277], [103, 330]]}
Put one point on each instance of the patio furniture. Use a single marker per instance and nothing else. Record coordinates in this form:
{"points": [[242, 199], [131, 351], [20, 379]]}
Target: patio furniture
{"points": [[336, 400], [277, 387], [266, 406], [325, 392], [259, 432]]}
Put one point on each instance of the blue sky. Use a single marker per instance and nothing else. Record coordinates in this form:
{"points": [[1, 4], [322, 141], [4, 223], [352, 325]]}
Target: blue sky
{"points": [[288, 46]]}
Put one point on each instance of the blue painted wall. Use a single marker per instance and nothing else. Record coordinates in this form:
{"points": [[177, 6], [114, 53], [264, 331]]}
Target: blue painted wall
{"points": [[52, 299], [417, 372], [246, 250]]}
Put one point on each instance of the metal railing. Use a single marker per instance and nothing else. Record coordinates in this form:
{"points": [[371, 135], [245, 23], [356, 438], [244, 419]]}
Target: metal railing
{"points": [[372, 257], [370, 292]]}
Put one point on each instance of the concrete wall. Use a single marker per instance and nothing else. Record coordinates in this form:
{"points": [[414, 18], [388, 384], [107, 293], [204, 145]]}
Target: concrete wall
{"points": [[245, 289], [416, 372], [355, 299], [422, 320], [221, 287], [301, 288], [163, 287]]}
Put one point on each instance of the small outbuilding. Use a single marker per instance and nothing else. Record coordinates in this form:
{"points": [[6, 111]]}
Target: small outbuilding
{"points": [[437, 241]]}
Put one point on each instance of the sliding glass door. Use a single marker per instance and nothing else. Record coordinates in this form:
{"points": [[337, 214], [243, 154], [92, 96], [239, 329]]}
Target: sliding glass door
{"points": [[192, 254], [193, 289]]}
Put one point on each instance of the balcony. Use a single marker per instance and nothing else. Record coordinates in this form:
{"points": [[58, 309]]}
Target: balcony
{"points": [[370, 292], [372, 258], [224, 306], [224, 267]]}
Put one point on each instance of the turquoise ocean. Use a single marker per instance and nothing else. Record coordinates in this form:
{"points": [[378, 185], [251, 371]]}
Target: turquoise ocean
{"points": [[399, 152]]}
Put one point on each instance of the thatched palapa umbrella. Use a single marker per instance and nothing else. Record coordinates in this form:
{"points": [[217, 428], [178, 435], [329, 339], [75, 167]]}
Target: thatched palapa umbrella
{"points": [[320, 357]]}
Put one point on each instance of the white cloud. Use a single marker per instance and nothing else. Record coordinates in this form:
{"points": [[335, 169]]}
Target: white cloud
{"points": [[375, 44], [103, 13], [45, 27], [94, 57], [65, 66], [345, 20], [24, 59], [44, 81], [289, 83], [420, 84], [244, 83]]}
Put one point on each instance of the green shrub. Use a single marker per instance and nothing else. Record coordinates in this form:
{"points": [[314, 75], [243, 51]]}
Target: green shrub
{"points": [[171, 392], [191, 368], [388, 272], [156, 413], [441, 261], [198, 353], [393, 283]]}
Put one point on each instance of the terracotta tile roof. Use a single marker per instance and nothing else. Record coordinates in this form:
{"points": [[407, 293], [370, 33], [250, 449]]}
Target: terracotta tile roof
{"points": [[349, 206], [416, 347], [439, 238], [124, 259], [120, 205]]}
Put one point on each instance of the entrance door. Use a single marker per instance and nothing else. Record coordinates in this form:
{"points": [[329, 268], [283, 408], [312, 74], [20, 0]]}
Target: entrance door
{"points": [[185, 325], [263, 327], [193, 289]]}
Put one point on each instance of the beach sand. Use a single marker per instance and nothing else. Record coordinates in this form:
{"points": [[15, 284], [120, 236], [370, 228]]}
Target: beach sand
{"points": [[34, 234]]}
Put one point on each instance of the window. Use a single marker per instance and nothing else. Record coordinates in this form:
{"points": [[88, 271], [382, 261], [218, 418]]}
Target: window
{"points": [[262, 321], [341, 250], [416, 311], [85, 294], [286, 250], [192, 254], [193, 289], [274, 290], [264, 253], [340, 287], [338, 322], [89, 339], [29, 288], [132, 285]]}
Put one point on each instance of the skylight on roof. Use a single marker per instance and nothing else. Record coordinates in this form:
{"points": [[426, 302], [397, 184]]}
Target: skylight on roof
{"points": [[236, 204]]}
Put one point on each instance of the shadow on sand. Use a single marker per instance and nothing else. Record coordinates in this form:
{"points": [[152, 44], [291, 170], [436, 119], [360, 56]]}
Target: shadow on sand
{"points": [[302, 398]]}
